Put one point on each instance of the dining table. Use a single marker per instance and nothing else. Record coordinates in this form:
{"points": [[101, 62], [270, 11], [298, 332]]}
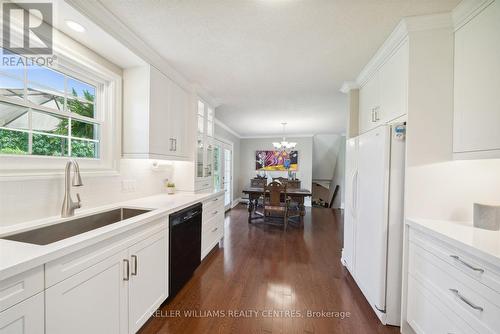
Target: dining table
{"points": [[295, 195]]}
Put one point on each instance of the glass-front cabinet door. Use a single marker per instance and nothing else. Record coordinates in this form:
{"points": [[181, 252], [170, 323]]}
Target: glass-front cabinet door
{"points": [[209, 159], [200, 153], [218, 167], [204, 144]]}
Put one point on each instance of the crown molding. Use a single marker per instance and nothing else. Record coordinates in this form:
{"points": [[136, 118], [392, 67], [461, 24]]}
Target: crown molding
{"points": [[278, 136], [100, 15], [398, 37], [347, 86], [467, 10], [227, 128]]}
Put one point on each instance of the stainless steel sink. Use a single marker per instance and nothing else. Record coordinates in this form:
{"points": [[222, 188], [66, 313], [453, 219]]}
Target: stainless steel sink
{"points": [[49, 234]]}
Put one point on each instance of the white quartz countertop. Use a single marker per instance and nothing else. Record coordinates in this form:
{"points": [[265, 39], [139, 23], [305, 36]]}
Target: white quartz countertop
{"points": [[479, 242], [17, 257]]}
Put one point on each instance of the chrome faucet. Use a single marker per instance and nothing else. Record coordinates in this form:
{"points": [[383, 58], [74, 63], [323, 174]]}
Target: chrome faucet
{"points": [[68, 207]]}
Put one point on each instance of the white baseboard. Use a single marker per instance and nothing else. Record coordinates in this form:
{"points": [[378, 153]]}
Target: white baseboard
{"points": [[236, 202]]}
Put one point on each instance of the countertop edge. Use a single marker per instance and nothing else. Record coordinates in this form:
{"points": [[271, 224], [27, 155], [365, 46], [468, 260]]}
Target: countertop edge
{"points": [[483, 255], [47, 255]]}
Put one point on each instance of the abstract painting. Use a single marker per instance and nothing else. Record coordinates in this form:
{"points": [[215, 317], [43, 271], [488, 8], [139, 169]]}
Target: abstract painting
{"points": [[276, 161]]}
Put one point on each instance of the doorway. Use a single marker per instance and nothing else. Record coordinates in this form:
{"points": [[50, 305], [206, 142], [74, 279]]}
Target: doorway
{"points": [[223, 170]]}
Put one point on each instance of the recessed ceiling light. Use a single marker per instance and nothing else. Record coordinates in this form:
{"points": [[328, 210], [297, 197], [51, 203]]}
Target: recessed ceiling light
{"points": [[75, 26]]}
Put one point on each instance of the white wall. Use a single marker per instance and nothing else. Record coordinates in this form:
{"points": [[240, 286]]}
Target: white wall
{"points": [[224, 135], [339, 174], [325, 151], [37, 198], [247, 160]]}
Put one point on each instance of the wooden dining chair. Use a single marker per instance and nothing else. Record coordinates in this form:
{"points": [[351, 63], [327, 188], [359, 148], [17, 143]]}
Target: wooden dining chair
{"points": [[273, 206]]}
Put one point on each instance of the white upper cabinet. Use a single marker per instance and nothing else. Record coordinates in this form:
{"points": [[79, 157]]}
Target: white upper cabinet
{"points": [[384, 96], [157, 118], [476, 128], [394, 85], [369, 103]]}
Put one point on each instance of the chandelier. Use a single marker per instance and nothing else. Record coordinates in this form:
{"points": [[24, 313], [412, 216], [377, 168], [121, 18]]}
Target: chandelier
{"points": [[284, 145]]}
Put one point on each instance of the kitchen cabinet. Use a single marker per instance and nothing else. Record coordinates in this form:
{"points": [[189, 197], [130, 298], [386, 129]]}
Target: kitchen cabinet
{"points": [[212, 228], [394, 85], [369, 103], [452, 285], [204, 147], [148, 284], [476, 85], [22, 303], [384, 96], [157, 118], [26, 317], [92, 301], [116, 295]]}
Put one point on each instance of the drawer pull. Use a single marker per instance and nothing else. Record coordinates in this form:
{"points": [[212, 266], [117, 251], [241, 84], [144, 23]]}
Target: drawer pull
{"points": [[215, 229], [467, 264], [215, 212], [466, 301], [216, 199]]}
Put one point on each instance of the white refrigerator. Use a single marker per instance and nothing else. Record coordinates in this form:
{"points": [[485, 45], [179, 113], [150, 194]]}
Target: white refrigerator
{"points": [[373, 218]]}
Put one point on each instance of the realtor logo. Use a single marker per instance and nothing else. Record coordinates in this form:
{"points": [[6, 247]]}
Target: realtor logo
{"points": [[33, 21]]}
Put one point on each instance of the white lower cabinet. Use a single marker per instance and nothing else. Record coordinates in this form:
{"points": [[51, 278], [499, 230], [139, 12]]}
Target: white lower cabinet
{"points": [[92, 301], [26, 317], [425, 316], [450, 290], [212, 229], [114, 296], [148, 284]]}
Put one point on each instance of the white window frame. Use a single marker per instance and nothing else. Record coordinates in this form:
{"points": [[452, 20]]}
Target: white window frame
{"points": [[87, 67]]}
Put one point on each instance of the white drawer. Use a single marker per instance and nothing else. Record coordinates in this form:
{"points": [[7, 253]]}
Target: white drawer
{"points": [[427, 316], [26, 317], [213, 202], [474, 302], [202, 185], [20, 287], [212, 211], [78, 261], [470, 265]]}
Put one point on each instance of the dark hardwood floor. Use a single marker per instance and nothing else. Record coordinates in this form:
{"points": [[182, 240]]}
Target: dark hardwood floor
{"points": [[261, 269]]}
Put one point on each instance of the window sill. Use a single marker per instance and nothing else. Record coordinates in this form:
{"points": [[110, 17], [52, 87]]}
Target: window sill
{"points": [[47, 175], [14, 168]]}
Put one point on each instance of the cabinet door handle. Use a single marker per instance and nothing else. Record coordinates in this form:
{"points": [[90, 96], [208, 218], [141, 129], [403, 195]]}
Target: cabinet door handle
{"points": [[216, 199], [175, 144], [373, 118], [215, 212], [127, 270], [466, 301], [215, 229], [377, 109], [134, 267], [456, 257]]}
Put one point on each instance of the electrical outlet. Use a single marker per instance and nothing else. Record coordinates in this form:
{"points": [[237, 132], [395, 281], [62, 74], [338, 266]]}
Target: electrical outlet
{"points": [[129, 186]]}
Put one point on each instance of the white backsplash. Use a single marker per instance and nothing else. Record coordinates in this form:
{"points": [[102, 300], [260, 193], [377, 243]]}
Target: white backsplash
{"points": [[25, 200], [448, 190]]}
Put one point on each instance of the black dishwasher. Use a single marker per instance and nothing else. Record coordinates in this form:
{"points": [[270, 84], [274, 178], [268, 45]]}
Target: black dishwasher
{"points": [[185, 246]]}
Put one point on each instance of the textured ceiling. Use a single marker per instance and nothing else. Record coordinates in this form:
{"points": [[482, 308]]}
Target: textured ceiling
{"points": [[268, 61]]}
